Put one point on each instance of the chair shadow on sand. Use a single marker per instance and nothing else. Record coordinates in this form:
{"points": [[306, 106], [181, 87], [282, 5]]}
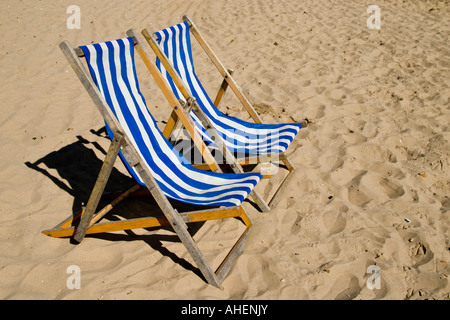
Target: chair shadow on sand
{"points": [[77, 169]]}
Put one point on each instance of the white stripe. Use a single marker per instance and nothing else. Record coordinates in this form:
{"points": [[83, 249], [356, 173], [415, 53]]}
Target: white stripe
{"points": [[166, 73]]}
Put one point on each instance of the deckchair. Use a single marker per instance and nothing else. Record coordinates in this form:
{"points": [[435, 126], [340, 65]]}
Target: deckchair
{"points": [[150, 159], [241, 141]]}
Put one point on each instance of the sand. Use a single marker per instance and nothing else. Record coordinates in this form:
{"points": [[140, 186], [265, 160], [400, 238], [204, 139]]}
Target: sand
{"points": [[373, 169]]}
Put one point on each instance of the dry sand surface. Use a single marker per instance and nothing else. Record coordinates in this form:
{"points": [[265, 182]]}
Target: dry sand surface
{"points": [[372, 183]]}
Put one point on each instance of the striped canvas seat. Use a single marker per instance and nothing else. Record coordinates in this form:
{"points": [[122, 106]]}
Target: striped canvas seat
{"points": [[112, 68], [241, 137]]}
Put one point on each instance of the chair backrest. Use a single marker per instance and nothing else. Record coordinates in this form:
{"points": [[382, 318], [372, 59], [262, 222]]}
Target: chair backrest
{"points": [[112, 68], [240, 136]]}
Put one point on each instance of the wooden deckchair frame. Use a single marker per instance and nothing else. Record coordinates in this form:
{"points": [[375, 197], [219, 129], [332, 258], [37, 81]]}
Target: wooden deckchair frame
{"points": [[89, 220], [228, 81]]}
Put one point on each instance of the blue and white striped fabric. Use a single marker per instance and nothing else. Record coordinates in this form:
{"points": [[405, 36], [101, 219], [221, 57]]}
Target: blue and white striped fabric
{"points": [[112, 68], [240, 136]]}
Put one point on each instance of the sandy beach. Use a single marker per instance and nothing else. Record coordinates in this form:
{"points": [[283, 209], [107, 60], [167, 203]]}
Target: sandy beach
{"points": [[372, 182]]}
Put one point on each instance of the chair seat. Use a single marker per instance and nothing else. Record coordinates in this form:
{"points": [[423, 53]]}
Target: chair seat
{"points": [[112, 68], [240, 136]]}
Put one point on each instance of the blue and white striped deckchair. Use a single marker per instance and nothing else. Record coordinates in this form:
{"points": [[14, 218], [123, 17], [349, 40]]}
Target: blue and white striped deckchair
{"points": [[263, 142], [149, 157], [241, 137]]}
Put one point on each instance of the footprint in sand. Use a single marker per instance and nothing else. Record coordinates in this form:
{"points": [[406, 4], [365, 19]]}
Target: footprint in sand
{"points": [[382, 187], [418, 250], [320, 112], [369, 186], [334, 219], [346, 287], [330, 163], [369, 153], [356, 194], [264, 108]]}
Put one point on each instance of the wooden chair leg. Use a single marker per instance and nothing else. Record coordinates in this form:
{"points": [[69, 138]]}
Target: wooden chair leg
{"points": [[284, 183], [99, 186], [237, 249]]}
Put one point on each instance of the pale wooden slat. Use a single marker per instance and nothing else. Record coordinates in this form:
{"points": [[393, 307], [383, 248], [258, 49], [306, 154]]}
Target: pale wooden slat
{"points": [[222, 90], [223, 71], [150, 222]]}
